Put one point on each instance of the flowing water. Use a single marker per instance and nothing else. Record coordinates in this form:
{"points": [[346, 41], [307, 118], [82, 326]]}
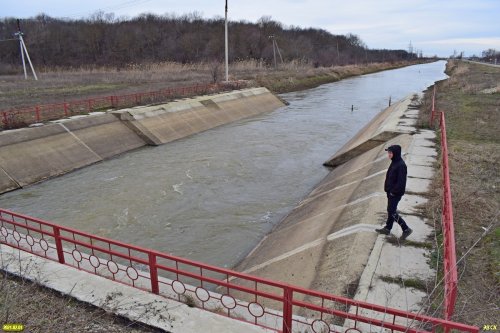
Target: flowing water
{"points": [[214, 195]]}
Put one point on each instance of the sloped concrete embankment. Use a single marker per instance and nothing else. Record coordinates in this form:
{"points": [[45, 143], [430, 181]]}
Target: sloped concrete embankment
{"points": [[30, 155], [164, 123], [327, 240]]}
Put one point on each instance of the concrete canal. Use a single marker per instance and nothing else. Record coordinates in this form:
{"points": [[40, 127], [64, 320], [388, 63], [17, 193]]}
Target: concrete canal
{"points": [[214, 195]]}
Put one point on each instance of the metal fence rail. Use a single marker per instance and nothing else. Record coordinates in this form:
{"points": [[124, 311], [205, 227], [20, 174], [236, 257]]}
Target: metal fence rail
{"points": [[449, 255], [21, 117], [274, 305]]}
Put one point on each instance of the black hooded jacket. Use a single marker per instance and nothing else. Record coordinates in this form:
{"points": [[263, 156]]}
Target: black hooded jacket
{"points": [[395, 179]]}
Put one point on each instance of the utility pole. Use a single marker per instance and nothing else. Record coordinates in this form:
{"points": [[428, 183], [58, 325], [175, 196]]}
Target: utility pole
{"points": [[338, 53], [23, 48], [276, 47], [274, 52], [227, 53]]}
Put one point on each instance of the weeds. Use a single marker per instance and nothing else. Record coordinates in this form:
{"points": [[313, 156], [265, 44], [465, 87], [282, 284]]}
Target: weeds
{"points": [[43, 310], [189, 301], [419, 245], [407, 283]]}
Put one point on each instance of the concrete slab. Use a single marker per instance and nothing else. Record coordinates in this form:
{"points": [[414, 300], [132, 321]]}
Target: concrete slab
{"points": [[426, 134], [420, 171], [423, 160], [405, 129], [424, 151], [33, 154], [393, 296], [411, 113], [409, 203], [422, 232], [407, 122], [423, 142], [407, 262], [418, 185], [104, 134]]}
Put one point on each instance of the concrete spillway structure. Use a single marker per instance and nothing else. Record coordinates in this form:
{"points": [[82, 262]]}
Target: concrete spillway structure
{"points": [[30, 155]]}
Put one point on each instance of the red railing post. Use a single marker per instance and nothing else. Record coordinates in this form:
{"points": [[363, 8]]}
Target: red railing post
{"points": [[153, 272], [433, 110], [37, 113], [65, 109], [89, 105], [59, 247], [450, 261], [287, 309]]}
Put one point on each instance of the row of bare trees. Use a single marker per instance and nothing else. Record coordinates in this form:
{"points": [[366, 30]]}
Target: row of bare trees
{"points": [[104, 40]]}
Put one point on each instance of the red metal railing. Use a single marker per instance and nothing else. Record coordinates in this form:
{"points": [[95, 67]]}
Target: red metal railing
{"points": [[274, 305], [20, 117], [450, 260]]}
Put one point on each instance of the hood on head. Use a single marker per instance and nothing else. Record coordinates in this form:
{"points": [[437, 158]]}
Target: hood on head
{"points": [[396, 151]]}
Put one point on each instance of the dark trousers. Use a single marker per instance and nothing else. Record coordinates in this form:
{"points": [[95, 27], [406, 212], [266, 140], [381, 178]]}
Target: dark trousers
{"points": [[392, 214]]}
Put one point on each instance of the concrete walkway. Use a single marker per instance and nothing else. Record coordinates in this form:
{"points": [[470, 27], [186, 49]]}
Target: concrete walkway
{"points": [[392, 261]]}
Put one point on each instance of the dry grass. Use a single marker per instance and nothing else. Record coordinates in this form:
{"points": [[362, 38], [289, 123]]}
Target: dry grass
{"points": [[473, 127], [64, 84], [43, 310]]}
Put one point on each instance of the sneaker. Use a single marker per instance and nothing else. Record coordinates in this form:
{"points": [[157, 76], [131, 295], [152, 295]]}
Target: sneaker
{"points": [[405, 234], [383, 231]]}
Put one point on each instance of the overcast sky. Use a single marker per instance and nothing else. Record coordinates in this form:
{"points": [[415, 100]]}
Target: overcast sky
{"points": [[437, 27]]}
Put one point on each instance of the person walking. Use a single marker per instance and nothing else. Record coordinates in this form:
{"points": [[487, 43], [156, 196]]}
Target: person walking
{"points": [[394, 186]]}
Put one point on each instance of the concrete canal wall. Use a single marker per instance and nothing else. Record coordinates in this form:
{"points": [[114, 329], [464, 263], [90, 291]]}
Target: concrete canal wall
{"points": [[160, 124], [30, 155]]}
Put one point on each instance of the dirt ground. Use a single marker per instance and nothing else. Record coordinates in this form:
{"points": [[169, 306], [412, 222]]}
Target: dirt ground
{"points": [[42, 310], [470, 99]]}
